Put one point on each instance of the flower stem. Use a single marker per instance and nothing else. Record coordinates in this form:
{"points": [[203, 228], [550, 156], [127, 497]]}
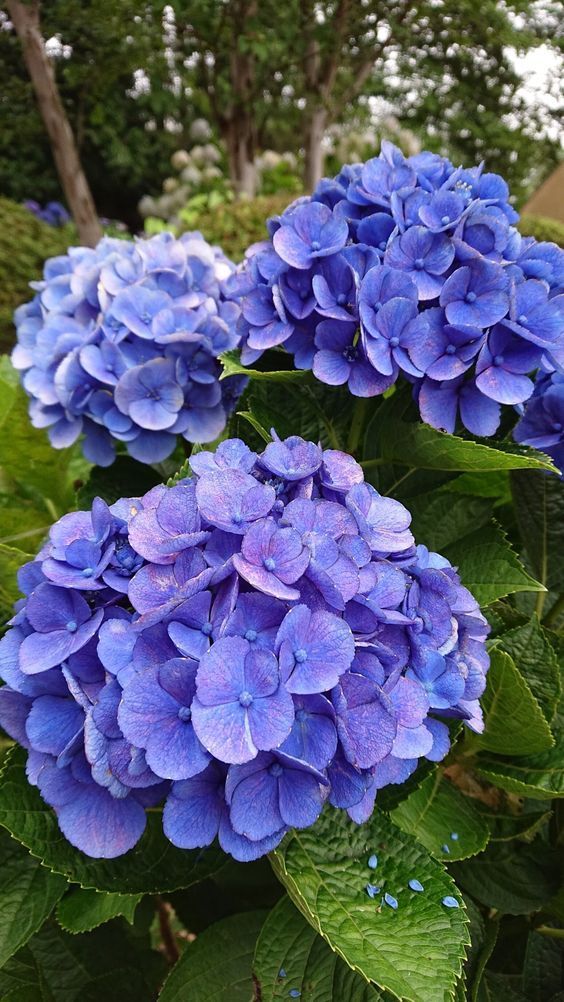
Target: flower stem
{"points": [[170, 948], [357, 425]]}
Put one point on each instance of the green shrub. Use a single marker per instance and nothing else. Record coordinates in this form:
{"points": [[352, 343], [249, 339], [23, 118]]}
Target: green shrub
{"points": [[542, 228], [25, 243], [236, 225]]}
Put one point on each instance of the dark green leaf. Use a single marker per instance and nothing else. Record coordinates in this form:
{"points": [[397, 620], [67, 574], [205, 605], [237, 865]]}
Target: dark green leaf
{"points": [[10, 562], [505, 826], [288, 943], [437, 810], [539, 507], [441, 518], [536, 660], [498, 987], [542, 970], [540, 777], [124, 478], [217, 966], [82, 910], [415, 951], [28, 894], [514, 878], [255, 423], [488, 565], [515, 724], [105, 964], [153, 865], [418, 445], [235, 888]]}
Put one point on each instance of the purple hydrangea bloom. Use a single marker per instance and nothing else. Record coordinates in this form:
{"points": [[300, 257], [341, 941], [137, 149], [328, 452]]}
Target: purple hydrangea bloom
{"points": [[407, 268], [542, 422], [237, 652], [121, 344]]}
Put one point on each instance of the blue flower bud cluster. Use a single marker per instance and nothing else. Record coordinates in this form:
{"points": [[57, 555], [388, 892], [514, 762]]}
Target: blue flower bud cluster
{"points": [[241, 647], [408, 265], [121, 344]]}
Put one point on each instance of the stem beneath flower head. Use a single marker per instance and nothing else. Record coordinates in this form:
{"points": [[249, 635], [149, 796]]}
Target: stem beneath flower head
{"points": [[554, 614], [357, 425], [170, 948]]}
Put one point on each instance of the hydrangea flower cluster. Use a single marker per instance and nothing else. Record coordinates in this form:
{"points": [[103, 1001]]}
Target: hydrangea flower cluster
{"points": [[120, 343], [53, 213], [408, 266], [244, 645], [542, 423]]}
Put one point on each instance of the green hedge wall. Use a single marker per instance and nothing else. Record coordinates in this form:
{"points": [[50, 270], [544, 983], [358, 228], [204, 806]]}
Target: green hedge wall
{"points": [[25, 243]]}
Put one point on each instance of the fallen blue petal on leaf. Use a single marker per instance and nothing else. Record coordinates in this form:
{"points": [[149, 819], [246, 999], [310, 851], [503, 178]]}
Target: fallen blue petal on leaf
{"points": [[416, 886]]}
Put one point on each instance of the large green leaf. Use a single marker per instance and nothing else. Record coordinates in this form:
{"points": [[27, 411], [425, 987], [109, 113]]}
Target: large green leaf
{"points": [[153, 865], [291, 956], [28, 894], [516, 878], [534, 656], [217, 966], [415, 444], [540, 777], [82, 910], [440, 518], [105, 964], [515, 723], [488, 565], [437, 811], [542, 970], [11, 560], [539, 508], [416, 951]]}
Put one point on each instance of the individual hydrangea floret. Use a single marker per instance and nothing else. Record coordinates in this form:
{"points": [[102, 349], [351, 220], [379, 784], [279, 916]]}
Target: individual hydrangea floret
{"points": [[121, 344], [238, 649], [408, 267], [542, 422]]}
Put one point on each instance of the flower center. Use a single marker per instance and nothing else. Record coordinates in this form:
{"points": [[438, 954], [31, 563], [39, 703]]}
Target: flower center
{"points": [[557, 426], [450, 349], [445, 220], [300, 715], [470, 297], [419, 263], [315, 245], [145, 317], [207, 629], [275, 769], [87, 572], [350, 353], [498, 360], [184, 714], [300, 656], [269, 563], [394, 341], [341, 298], [251, 636], [237, 519], [522, 318], [245, 698], [72, 626]]}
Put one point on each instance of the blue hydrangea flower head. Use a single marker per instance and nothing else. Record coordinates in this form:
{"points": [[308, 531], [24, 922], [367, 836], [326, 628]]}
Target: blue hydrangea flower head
{"points": [[237, 653], [408, 268], [121, 344]]}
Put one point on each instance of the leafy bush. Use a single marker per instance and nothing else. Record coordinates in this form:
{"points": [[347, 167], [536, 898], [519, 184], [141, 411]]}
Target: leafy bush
{"points": [[542, 228], [236, 225], [25, 244]]}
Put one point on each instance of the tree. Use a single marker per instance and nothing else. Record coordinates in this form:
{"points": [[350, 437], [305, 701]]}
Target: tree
{"points": [[25, 18]]}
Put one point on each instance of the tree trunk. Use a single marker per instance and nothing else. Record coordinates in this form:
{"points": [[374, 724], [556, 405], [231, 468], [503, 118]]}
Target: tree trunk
{"points": [[314, 154], [239, 140], [25, 18]]}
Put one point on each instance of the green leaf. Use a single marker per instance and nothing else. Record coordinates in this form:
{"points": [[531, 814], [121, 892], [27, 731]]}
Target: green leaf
{"points": [[515, 724], [418, 445], [153, 865], [232, 367], [10, 562], [515, 878], [415, 951], [217, 966], [82, 910], [237, 887], [536, 660], [493, 485], [504, 827], [542, 970], [539, 508], [488, 566], [124, 478], [435, 811], [497, 987], [540, 777], [105, 964], [440, 519], [288, 943], [28, 894], [255, 423]]}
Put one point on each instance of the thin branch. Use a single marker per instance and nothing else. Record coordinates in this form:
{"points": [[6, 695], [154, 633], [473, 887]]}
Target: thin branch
{"points": [[170, 948]]}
